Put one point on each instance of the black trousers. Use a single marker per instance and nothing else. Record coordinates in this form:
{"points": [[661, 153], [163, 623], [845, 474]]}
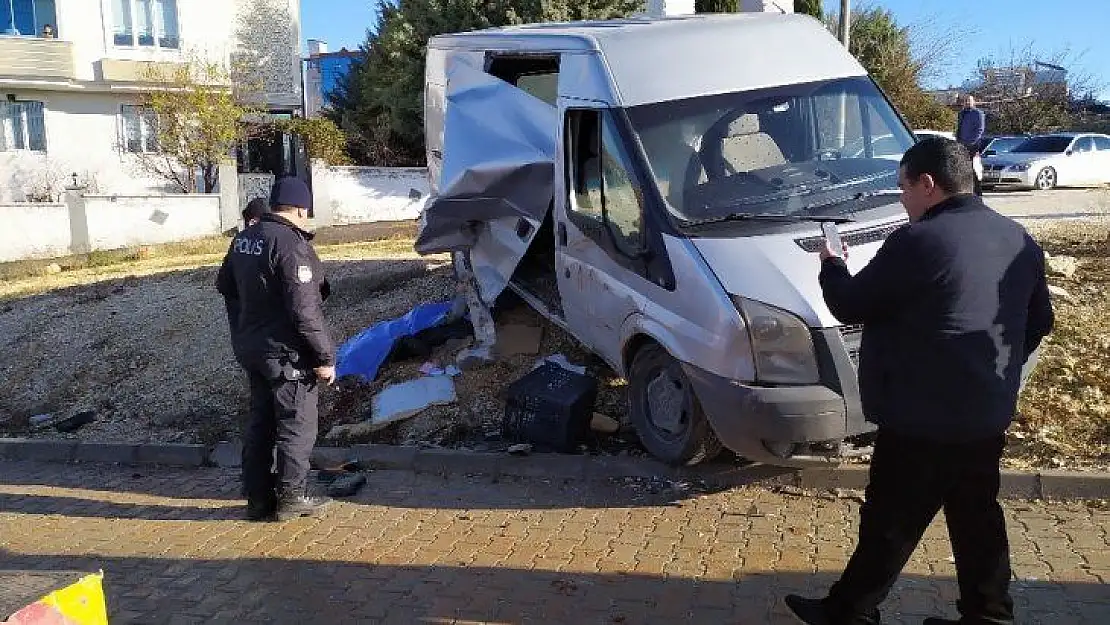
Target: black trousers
{"points": [[284, 414], [978, 181], [911, 480]]}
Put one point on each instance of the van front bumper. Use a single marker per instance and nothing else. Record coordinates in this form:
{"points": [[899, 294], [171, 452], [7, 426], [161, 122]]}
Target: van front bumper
{"points": [[776, 425]]}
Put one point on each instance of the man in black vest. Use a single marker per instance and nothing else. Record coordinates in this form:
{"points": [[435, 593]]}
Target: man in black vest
{"points": [[274, 288], [952, 305]]}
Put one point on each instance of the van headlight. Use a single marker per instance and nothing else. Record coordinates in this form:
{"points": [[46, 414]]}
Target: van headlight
{"points": [[781, 342]]}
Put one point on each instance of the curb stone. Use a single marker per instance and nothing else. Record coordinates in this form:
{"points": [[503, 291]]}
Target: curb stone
{"points": [[1047, 484]]}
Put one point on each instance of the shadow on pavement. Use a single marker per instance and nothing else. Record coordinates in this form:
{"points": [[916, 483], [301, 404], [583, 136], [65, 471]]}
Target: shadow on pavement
{"points": [[213, 494], [156, 590]]}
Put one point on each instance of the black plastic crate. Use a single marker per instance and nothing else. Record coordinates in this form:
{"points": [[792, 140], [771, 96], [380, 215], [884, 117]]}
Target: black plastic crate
{"points": [[549, 407]]}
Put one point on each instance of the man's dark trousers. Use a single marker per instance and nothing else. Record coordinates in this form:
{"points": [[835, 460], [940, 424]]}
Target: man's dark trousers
{"points": [[284, 413], [972, 150], [910, 481]]}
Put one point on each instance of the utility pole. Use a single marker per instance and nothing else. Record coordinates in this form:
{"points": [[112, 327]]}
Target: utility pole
{"points": [[845, 31], [845, 21]]}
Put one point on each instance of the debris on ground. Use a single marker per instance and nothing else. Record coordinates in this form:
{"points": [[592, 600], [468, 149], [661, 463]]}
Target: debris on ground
{"points": [[346, 485], [409, 399], [519, 449], [1060, 292], [1065, 266], [560, 360], [363, 354], [42, 421], [604, 424], [550, 407], [76, 422], [518, 339]]}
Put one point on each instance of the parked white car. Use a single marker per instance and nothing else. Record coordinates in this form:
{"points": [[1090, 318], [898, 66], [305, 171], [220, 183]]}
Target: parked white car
{"points": [[1048, 161], [925, 134]]}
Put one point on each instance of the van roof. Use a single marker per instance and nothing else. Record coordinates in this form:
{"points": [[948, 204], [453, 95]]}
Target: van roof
{"points": [[655, 59]]}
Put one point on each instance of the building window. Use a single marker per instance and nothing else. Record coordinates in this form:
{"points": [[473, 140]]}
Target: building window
{"points": [[22, 126], [145, 23], [140, 129], [34, 18]]}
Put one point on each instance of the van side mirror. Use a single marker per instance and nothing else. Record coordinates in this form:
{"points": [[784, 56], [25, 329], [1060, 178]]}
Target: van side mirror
{"points": [[1068, 152]]}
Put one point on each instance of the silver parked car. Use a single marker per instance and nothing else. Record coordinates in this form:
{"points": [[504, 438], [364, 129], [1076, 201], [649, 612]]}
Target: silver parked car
{"points": [[1049, 161]]}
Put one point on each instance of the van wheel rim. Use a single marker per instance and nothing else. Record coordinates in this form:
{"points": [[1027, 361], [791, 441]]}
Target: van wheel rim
{"points": [[1046, 180], [667, 402]]}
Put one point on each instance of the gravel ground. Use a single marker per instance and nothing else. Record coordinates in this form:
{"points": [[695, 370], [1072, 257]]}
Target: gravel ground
{"points": [[150, 354]]}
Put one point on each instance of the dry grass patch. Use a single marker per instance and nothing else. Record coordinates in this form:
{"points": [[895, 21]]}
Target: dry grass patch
{"points": [[1064, 412]]}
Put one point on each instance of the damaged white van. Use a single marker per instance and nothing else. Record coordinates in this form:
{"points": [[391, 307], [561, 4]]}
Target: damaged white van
{"points": [[656, 187]]}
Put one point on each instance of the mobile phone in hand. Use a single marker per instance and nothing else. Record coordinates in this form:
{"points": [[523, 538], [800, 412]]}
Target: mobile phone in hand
{"points": [[832, 238]]}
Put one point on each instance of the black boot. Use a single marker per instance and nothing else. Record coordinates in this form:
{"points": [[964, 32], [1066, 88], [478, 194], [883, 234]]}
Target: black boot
{"points": [[808, 611], [818, 612], [291, 506], [261, 509]]}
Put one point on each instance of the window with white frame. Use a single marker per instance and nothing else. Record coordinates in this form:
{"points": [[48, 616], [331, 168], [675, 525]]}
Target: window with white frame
{"points": [[140, 129], [22, 126], [145, 23]]}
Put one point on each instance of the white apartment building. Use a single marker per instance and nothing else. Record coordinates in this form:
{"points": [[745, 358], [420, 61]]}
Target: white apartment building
{"points": [[71, 82]]}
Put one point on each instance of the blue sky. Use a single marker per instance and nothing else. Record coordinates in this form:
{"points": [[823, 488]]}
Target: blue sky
{"points": [[994, 26]]}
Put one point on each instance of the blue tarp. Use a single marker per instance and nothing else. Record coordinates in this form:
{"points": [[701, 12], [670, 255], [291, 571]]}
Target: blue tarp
{"points": [[365, 352]]}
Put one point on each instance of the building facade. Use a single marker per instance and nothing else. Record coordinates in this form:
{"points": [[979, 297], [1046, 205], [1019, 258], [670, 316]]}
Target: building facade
{"points": [[322, 73], [72, 81]]}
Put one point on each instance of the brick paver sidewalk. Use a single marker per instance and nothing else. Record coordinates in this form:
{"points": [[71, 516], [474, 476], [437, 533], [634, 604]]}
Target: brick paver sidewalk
{"points": [[429, 549]]}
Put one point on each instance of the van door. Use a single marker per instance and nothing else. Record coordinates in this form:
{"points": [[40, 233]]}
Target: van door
{"points": [[502, 243], [601, 256]]}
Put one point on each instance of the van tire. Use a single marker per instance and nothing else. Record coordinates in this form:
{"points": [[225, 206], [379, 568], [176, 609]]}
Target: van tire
{"points": [[689, 441]]}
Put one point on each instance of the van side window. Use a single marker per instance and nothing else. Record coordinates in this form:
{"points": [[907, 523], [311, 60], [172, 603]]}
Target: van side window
{"points": [[602, 183], [537, 76]]}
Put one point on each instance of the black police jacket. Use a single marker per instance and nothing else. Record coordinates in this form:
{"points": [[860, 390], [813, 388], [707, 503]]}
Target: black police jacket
{"points": [[952, 306], [274, 286]]}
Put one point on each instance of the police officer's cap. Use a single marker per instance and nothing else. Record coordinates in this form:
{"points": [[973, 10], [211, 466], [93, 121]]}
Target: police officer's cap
{"points": [[291, 191]]}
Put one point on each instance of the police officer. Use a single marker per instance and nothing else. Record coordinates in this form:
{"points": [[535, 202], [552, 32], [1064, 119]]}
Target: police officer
{"points": [[274, 287]]}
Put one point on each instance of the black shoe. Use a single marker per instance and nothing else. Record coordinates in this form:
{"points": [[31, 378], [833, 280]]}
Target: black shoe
{"points": [[936, 620], [808, 611], [291, 507], [261, 510]]}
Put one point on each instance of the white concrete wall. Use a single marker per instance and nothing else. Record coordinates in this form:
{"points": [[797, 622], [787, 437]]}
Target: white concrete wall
{"points": [[34, 231], [83, 135], [123, 221], [349, 195]]}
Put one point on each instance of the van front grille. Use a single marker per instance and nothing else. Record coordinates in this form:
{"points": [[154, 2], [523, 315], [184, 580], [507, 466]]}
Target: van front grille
{"points": [[853, 238]]}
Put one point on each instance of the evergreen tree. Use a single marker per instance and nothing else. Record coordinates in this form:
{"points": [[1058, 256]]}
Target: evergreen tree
{"points": [[884, 49], [716, 6], [380, 102], [809, 7]]}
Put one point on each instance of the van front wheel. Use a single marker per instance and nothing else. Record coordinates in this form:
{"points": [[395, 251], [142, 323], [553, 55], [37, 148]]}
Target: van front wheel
{"points": [[665, 411]]}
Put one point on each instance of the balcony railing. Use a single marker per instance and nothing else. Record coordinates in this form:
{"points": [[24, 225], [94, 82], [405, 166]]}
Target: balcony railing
{"points": [[36, 58]]}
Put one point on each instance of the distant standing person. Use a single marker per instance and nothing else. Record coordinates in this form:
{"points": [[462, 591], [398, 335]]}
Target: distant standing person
{"points": [[274, 287], [952, 305], [971, 125]]}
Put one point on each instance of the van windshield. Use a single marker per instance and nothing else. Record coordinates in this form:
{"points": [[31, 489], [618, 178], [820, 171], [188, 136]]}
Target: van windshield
{"points": [[798, 149]]}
